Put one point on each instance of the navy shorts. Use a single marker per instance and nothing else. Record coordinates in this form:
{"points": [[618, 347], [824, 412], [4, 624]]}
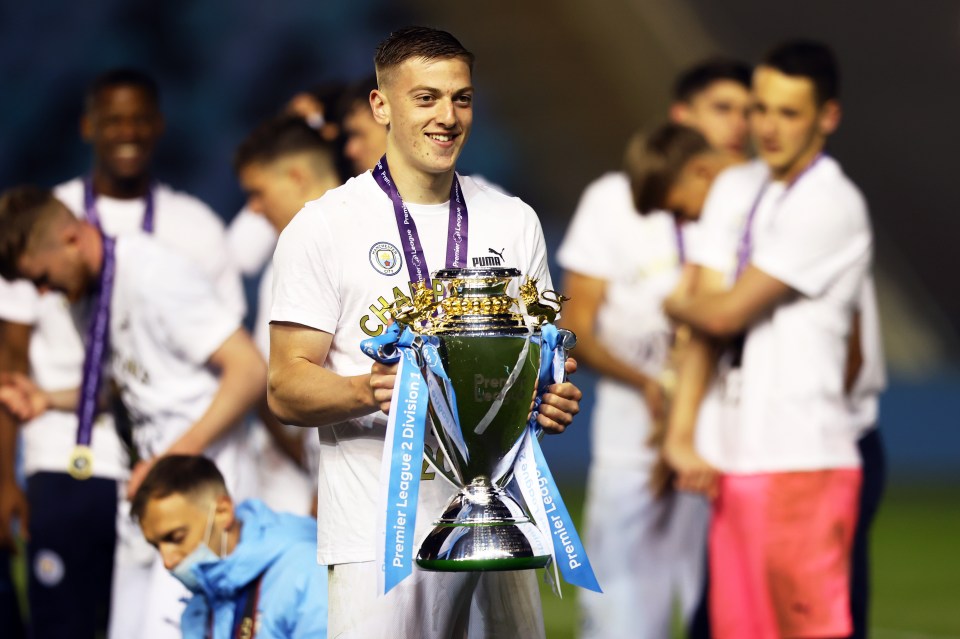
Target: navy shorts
{"points": [[70, 554]]}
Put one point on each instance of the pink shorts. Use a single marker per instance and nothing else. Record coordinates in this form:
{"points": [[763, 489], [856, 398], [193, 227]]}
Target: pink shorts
{"points": [[780, 554]]}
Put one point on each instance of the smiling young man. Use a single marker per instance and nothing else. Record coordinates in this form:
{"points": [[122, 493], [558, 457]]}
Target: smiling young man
{"points": [[69, 582], [251, 570], [339, 265], [790, 236]]}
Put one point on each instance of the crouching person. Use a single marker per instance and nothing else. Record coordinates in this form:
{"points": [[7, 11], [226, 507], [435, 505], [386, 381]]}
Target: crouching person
{"points": [[253, 572]]}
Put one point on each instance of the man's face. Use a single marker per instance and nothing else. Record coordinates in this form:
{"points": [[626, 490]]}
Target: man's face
{"points": [[175, 525], [366, 140], [53, 262], [273, 191], [789, 128], [123, 125], [429, 109], [720, 113]]}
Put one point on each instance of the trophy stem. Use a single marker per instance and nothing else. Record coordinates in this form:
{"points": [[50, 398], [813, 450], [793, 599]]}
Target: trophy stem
{"points": [[483, 528]]}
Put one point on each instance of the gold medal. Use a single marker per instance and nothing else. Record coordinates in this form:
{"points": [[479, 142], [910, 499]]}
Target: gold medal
{"points": [[81, 463]]}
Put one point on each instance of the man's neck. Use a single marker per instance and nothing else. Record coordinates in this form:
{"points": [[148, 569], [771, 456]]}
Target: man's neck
{"points": [[92, 248], [233, 537], [120, 188], [419, 187]]}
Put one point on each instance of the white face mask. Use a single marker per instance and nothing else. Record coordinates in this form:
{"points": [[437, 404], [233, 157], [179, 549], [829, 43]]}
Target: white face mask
{"points": [[202, 554]]}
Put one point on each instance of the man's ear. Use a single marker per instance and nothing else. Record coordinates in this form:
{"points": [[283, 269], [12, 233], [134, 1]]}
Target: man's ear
{"points": [[86, 127], [380, 106], [830, 116], [225, 514], [680, 113]]}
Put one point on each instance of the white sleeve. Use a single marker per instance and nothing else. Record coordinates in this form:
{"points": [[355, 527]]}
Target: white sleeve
{"points": [[714, 239], [251, 240], [585, 248], [19, 302], [812, 241], [305, 276], [192, 318]]}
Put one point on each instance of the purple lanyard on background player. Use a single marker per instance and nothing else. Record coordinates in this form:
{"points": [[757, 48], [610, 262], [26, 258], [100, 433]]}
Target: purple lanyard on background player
{"points": [[410, 238], [681, 250], [98, 342], [98, 333], [746, 240]]}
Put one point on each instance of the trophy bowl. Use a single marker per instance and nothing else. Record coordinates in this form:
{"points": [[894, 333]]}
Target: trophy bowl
{"points": [[489, 349]]}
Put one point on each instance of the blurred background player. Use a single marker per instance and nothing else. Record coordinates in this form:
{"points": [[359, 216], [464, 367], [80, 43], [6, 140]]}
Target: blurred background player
{"points": [[122, 122], [790, 235], [619, 267], [251, 571], [282, 165], [364, 139], [182, 365]]}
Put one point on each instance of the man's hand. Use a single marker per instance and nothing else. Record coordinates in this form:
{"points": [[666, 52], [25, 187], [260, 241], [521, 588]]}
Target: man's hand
{"points": [[560, 402], [13, 505], [137, 476], [382, 379], [22, 397], [694, 474]]}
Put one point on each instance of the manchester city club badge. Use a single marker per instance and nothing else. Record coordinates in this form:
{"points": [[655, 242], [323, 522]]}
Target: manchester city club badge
{"points": [[385, 258]]}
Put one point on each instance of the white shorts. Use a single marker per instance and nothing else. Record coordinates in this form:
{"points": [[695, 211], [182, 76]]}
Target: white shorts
{"points": [[434, 605], [646, 554]]}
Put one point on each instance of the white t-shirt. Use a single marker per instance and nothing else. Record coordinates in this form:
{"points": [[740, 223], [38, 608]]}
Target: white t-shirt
{"points": [[864, 398], [639, 257], [16, 300], [56, 346], [251, 239], [816, 238], [331, 274], [165, 323]]}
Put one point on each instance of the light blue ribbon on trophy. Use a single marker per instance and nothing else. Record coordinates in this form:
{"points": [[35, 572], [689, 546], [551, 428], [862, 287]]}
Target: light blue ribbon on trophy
{"points": [[400, 467], [406, 429], [536, 483]]}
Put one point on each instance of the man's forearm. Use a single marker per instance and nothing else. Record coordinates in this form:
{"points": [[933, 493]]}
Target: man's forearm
{"points": [[695, 372], [305, 394], [591, 352]]}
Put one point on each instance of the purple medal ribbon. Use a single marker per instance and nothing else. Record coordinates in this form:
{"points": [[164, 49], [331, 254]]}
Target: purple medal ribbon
{"points": [[90, 206], [681, 250], [98, 331], [410, 238], [98, 341], [745, 247]]}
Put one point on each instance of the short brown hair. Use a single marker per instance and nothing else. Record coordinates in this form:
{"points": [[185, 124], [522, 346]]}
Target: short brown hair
{"points": [[186, 475], [417, 42], [280, 137], [23, 210], [653, 162]]}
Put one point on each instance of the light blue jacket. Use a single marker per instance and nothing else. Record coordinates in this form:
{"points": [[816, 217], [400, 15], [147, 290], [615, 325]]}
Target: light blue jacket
{"points": [[293, 592]]}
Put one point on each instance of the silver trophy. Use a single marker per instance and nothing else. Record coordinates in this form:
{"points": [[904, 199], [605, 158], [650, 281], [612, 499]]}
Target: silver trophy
{"points": [[486, 346]]}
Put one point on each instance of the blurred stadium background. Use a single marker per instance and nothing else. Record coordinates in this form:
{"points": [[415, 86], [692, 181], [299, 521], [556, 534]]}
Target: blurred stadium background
{"points": [[560, 86]]}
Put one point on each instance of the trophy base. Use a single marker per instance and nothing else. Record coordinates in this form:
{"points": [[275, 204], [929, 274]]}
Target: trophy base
{"points": [[483, 529]]}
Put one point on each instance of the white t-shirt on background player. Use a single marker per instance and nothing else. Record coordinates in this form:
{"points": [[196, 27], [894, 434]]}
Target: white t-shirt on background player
{"points": [[638, 256], [331, 275], [251, 239], [56, 345], [816, 238], [864, 398], [165, 323]]}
